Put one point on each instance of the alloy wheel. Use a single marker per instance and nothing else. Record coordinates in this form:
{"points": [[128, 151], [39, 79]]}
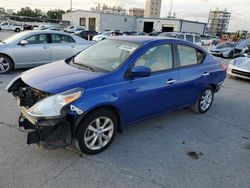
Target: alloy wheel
{"points": [[98, 133], [4, 65], [206, 100]]}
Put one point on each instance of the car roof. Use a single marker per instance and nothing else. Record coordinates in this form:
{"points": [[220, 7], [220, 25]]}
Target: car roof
{"points": [[44, 31]]}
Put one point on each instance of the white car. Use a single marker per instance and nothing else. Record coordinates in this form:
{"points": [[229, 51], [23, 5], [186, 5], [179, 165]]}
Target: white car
{"points": [[75, 29], [11, 27], [207, 40], [106, 34], [38, 47], [194, 38], [239, 67]]}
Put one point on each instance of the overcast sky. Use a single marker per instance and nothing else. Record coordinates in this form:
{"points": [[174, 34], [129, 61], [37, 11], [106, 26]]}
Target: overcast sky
{"points": [[186, 9]]}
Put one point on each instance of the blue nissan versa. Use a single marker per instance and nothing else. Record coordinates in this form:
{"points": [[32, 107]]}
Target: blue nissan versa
{"points": [[86, 99]]}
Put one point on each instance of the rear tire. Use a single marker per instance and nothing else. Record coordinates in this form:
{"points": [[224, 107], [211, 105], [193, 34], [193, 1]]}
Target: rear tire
{"points": [[204, 102], [17, 30], [97, 131], [231, 55], [6, 64]]}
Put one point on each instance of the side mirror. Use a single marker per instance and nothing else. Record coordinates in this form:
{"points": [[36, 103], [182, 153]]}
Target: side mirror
{"points": [[140, 71], [24, 42]]}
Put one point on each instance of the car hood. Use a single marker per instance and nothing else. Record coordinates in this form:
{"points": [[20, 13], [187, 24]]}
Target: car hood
{"points": [[58, 77], [243, 63]]}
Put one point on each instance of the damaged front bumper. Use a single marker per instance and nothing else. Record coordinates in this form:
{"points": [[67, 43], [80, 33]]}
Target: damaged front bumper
{"points": [[49, 132]]}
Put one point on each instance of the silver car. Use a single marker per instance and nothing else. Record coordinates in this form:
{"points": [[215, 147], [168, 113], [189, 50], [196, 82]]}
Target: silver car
{"points": [[239, 67], [33, 48]]}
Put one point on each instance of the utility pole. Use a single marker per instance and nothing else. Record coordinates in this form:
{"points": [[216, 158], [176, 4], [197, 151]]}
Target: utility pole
{"points": [[171, 7], [70, 5]]}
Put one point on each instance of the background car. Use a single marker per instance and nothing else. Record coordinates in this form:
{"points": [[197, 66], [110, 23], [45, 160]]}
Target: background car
{"points": [[74, 29], [106, 34], [33, 48], [207, 39], [11, 27], [169, 34], [154, 33], [191, 37], [114, 83], [240, 67], [86, 34], [230, 49]]}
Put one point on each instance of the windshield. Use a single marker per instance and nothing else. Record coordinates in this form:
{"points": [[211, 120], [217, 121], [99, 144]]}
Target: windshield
{"points": [[15, 37], [106, 55], [225, 45]]}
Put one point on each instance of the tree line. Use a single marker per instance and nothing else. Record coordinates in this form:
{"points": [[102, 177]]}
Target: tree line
{"points": [[38, 13]]}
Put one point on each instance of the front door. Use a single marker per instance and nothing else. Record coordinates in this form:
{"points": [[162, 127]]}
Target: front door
{"points": [[36, 52], [156, 93]]}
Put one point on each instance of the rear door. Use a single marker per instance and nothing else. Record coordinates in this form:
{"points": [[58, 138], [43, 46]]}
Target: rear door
{"points": [[194, 73], [62, 46], [156, 93], [36, 52]]}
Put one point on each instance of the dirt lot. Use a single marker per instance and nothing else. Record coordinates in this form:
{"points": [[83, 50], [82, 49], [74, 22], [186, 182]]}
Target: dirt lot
{"points": [[152, 153]]}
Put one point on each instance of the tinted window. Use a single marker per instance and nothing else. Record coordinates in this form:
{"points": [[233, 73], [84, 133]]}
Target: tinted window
{"points": [[181, 37], [157, 58], [56, 38], [187, 55], [37, 39], [200, 56], [197, 38], [189, 38]]}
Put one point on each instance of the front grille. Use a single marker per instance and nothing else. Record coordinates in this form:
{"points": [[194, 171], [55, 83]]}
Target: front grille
{"points": [[242, 73]]}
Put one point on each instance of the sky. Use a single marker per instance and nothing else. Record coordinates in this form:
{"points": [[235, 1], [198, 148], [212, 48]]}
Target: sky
{"points": [[197, 10]]}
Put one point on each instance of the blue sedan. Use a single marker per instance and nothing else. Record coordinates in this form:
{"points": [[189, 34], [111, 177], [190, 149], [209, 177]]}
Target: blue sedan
{"points": [[86, 99]]}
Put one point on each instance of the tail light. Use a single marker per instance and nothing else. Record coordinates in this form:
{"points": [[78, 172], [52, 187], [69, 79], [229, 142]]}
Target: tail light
{"points": [[223, 66]]}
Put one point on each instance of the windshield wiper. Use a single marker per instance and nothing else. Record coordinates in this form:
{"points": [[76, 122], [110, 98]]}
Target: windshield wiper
{"points": [[87, 67]]}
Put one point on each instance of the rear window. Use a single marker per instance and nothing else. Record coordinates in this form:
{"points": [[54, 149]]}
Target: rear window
{"points": [[189, 55], [197, 38]]}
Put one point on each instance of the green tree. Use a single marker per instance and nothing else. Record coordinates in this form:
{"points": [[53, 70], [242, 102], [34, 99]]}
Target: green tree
{"points": [[27, 11], [55, 14]]}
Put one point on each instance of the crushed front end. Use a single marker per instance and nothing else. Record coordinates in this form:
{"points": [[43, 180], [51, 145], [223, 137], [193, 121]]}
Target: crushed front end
{"points": [[45, 126]]}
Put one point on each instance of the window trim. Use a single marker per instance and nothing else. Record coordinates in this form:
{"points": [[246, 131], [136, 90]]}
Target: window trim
{"points": [[178, 57]]}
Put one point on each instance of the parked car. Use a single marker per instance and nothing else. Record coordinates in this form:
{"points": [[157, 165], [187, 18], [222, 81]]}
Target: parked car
{"points": [[130, 32], [230, 49], [86, 99], [191, 37], [106, 34], [74, 29], [11, 27], [207, 39], [33, 48], [88, 35], [154, 33], [169, 34], [240, 67]]}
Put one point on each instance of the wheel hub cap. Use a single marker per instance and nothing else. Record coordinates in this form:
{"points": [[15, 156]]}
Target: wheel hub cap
{"points": [[206, 100], [4, 65], [98, 133]]}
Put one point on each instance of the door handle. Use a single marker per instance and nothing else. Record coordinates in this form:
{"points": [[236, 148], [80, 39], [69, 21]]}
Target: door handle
{"points": [[171, 81], [206, 74]]}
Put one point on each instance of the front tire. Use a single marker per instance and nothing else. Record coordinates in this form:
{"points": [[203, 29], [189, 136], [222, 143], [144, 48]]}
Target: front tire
{"points": [[204, 102], [17, 30], [97, 131], [6, 64]]}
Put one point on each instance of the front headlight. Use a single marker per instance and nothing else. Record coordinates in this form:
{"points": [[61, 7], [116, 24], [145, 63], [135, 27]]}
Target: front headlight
{"points": [[53, 105]]}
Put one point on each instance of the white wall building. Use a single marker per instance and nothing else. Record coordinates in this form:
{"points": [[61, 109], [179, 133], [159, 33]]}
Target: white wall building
{"points": [[103, 21]]}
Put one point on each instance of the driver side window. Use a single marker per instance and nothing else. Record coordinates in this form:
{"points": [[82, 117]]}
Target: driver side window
{"points": [[37, 39], [157, 58]]}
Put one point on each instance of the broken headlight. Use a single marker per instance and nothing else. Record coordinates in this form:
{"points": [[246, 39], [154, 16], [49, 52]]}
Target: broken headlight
{"points": [[52, 106]]}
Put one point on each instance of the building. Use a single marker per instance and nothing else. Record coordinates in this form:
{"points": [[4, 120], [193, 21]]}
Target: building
{"points": [[109, 9], [218, 21], [99, 21], [138, 12], [153, 8]]}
